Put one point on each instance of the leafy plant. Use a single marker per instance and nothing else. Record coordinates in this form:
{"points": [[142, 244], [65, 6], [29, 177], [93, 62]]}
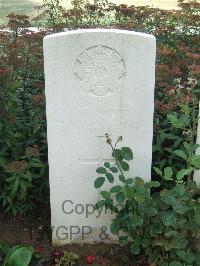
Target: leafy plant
{"points": [[163, 224], [68, 259], [22, 101], [18, 256]]}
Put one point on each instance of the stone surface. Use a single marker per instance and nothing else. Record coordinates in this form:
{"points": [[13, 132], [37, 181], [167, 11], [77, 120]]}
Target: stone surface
{"points": [[97, 82]]}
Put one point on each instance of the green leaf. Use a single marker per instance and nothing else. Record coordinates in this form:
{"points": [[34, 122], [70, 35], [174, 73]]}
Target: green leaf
{"points": [[122, 178], [145, 242], [35, 163], [198, 257], [190, 258], [129, 181], [151, 184], [114, 228], [100, 204], [184, 172], [151, 211], [173, 119], [197, 215], [171, 233], [178, 123], [4, 248], [128, 191], [99, 182], [164, 264], [23, 185], [127, 153], [158, 171], [11, 251], [195, 161], [156, 229], [110, 177], [105, 194], [117, 154], [175, 263], [180, 190], [11, 178], [124, 166], [169, 218], [20, 257], [180, 208], [181, 153], [114, 169], [120, 197], [101, 170], [107, 164], [135, 248], [15, 185], [181, 253], [184, 121], [168, 197], [187, 146], [168, 173], [136, 220], [116, 189], [180, 243]]}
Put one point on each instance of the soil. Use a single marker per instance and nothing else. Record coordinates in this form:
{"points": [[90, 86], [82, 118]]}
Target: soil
{"points": [[34, 230]]}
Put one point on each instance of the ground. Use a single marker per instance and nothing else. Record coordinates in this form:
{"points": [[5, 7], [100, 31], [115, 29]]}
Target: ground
{"points": [[34, 230]]}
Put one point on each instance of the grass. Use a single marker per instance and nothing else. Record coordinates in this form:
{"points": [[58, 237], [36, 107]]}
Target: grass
{"points": [[25, 7]]}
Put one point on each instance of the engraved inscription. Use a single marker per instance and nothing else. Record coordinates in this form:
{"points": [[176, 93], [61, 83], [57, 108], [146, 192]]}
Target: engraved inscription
{"points": [[100, 70]]}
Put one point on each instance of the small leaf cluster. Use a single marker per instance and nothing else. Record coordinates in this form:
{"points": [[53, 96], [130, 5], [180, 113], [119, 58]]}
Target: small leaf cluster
{"points": [[18, 183], [159, 222], [68, 259], [189, 158]]}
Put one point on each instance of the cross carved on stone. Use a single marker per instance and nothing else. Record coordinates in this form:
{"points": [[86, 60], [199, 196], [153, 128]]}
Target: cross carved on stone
{"points": [[97, 161]]}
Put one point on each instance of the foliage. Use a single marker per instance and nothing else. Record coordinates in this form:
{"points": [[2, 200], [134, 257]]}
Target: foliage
{"points": [[175, 146], [18, 256], [68, 259], [3, 251], [23, 144], [163, 224], [23, 151]]}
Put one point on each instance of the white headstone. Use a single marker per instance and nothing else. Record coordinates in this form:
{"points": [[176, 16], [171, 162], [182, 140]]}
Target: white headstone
{"points": [[97, 82]]}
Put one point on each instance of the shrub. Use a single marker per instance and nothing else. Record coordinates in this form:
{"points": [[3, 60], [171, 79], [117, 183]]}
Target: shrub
{"points": [[164, 224], [23, 149], [22, 112]]}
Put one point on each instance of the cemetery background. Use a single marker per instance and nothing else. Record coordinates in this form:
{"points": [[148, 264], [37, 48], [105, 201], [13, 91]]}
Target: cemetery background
{"points": [[24, 171], [27, 7]]}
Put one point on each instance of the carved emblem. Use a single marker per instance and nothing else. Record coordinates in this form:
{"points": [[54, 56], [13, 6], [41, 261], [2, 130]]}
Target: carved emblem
{"points": [[100, 70]]}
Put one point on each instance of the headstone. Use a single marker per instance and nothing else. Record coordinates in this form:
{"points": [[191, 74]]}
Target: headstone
{"points": [[97, 82]]}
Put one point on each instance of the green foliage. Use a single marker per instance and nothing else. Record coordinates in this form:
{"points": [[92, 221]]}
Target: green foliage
{"points": [[68, 259], [22, 101], [23, 149], [177, 136], [18, 256], [161, 222]]}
